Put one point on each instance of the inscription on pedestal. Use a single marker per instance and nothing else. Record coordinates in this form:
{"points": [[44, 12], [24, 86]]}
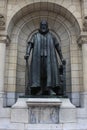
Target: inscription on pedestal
{"points": [[43, 115], [43, 111]]}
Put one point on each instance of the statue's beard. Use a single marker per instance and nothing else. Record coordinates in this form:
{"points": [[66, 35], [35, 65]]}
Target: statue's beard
{"points": [[43, 30]]}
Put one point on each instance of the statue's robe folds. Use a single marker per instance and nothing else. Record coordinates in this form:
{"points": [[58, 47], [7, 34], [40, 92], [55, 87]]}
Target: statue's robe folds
{"points": [[44, 46]]}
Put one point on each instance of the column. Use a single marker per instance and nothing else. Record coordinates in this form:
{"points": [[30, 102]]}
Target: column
{"points": [[83, 42], [3, 41]]}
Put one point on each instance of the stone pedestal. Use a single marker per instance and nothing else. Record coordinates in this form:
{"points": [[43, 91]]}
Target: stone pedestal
{"points": [[43, 111], [67, 113], [19, 111]]}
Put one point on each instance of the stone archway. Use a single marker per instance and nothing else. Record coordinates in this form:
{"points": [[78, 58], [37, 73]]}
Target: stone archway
{"points": [[23, 24]]}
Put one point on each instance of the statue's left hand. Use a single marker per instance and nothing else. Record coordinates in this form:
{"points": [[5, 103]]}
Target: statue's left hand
{"points": [[26, 57]]}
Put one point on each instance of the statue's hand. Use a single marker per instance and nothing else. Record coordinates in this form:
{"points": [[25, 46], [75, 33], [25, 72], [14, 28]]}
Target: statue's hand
{"points": [[63, 62], [26, 57]]}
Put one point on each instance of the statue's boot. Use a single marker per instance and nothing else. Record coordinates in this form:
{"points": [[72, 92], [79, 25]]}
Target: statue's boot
{"points": [[40, 92], [51, 92]]}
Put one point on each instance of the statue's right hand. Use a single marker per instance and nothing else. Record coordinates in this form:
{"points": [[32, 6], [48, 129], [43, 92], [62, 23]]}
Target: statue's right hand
{"points": [[63, 62], [26, 57]]}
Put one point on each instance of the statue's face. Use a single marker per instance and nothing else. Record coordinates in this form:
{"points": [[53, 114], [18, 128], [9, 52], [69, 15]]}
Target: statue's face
{"points": [[43, 26]]}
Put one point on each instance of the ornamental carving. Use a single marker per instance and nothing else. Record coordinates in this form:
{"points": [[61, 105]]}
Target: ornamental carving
{"points": [[2, 22], [85, 24], [4, 39], [82, 39]]}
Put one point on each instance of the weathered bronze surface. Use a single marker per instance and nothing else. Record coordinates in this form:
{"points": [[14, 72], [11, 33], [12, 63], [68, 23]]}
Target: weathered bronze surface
{"points": [[44, 75]]}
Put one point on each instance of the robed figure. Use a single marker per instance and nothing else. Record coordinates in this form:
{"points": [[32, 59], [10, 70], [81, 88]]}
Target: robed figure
{"points": [[43, 73]]}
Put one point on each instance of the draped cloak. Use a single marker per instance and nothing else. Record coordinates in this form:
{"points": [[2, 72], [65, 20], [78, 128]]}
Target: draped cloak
{"points": [[44, 46]]}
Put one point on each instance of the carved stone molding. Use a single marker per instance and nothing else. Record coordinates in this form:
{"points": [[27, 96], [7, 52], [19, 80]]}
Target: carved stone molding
{"points": [[82, 39], [2, 22], [85, 24], [4, 39]]}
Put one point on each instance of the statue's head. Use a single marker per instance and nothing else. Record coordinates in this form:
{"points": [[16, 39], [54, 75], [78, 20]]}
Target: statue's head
{"points": [[44, 27]]}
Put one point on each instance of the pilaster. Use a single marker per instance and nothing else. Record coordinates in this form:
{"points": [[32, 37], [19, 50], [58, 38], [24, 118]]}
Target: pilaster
{"points": [[4, 40], [82, 41]]}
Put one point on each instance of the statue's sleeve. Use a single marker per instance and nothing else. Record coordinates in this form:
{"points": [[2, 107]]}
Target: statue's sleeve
{"points": [[28, 49], [58, 48], [29, 46]]}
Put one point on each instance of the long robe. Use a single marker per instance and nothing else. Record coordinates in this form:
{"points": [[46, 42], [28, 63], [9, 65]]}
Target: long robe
{"points": [[43, 47]]}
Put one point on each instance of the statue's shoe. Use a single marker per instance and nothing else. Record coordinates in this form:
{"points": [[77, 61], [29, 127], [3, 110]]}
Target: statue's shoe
{"points": [[40, 93], [51, 92]]}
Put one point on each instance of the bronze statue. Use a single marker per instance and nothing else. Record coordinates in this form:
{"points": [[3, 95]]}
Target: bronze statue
{"points": [[43, 77]]}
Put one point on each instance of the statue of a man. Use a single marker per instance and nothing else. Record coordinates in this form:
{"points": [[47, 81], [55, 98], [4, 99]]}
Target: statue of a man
{"points": [[44, 70]]}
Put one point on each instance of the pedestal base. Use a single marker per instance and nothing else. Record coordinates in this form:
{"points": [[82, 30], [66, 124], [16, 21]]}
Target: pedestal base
{"points": [[43, 111]]}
